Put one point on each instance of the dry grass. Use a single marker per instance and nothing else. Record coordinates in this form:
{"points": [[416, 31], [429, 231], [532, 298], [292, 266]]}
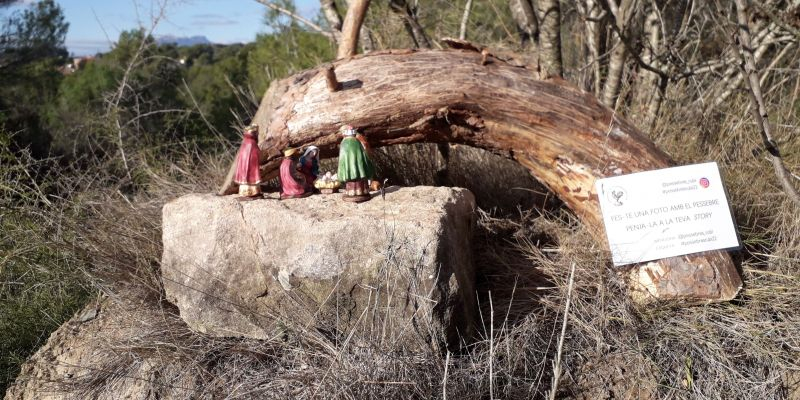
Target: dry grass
{"points": [[745, 349]]}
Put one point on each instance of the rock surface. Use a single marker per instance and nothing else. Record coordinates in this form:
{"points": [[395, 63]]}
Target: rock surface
{"points": [[106, 351], [255, 268]]}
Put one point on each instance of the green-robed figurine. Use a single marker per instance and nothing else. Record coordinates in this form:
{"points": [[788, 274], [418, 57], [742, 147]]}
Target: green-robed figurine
{"points": [[355, 166]]}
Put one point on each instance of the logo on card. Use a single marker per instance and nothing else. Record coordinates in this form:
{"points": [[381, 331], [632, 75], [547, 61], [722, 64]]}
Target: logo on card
{"points": [[704, 182], [617, 196]]}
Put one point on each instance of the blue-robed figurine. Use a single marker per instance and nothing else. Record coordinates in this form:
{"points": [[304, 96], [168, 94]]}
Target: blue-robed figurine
{"points": [[309, 166]]}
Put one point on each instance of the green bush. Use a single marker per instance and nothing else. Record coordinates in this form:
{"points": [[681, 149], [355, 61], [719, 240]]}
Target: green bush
{"points": [[41, 286]]}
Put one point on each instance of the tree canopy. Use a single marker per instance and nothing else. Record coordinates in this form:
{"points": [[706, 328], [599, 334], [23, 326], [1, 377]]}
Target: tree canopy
{"points": [[31, 48]]}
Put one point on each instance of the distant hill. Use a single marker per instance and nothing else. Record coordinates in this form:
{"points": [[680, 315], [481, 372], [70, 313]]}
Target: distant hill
{"points": [[182, 41]]}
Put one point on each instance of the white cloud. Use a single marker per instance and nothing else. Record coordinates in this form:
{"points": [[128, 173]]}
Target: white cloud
{"points": [[212, 20]]}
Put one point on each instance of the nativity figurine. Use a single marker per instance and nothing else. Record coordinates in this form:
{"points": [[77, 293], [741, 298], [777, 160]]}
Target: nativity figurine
{"points": [[328, 183], [292, 182], [355, 167], [309, 166], [248, 175]]}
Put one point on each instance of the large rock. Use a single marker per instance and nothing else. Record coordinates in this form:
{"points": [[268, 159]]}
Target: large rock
{"points": [[257, 268], [113, 349]]}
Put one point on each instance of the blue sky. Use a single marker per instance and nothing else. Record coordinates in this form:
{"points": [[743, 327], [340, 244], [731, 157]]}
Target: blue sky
{"points": [[95, 24]]}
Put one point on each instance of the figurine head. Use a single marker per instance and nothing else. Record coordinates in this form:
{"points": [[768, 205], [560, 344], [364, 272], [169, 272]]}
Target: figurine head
{"points": [[251, 130], [348, 130], [311, 151], [290, 152]]}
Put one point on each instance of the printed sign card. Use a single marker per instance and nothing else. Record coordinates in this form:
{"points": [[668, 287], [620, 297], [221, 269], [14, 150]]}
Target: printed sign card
{"points": [[665, 213]]}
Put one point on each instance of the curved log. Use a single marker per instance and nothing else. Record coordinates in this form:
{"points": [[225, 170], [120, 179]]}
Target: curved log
{"points": [[563, 136]]}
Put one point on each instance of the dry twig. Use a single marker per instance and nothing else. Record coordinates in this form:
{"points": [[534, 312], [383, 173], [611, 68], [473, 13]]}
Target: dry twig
{"points": [[298, 17], [462, 33], [759, 109], [557, 363]]}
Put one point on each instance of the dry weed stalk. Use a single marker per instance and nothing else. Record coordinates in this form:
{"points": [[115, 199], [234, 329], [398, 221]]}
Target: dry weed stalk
{"points": [[557, 363]]}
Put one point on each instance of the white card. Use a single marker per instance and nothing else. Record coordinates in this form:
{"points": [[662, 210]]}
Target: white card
{"points": [[664, 213]]}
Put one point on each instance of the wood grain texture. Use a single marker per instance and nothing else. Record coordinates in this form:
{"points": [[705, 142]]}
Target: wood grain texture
{"points": [[565, 137]]}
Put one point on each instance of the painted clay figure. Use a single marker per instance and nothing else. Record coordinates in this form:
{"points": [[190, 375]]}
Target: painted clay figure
{"points": [[292, 183], [309, 166], [248, 176], [327, 184], [355, 166]]}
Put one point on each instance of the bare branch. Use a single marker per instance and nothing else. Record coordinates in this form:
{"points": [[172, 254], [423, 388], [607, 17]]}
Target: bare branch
{"points": [[411, 23], [352, 27], [777, 20], [112, 108], [462, 33], [733, 77], [200, 111], [331, 13], [613, 81], [620, 30], [365, 38], [299, 18], [759, 109]]}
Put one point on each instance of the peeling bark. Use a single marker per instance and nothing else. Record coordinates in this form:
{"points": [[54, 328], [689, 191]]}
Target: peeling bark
{"points": [[592, 41], [627, 24], [539, 23], [651, 89], [616, 67], [549, 12], [563, 136]]}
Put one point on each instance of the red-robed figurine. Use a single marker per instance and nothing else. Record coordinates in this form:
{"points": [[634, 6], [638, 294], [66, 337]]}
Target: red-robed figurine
{"points": [[292, 181], [248, 176]]}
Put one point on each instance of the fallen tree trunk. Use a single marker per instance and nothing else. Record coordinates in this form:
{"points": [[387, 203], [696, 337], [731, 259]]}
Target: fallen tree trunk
{"points": [[563, 136]]}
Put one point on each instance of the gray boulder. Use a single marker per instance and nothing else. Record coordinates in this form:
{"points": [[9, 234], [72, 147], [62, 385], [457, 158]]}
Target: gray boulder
{"points": [[398, 268]]}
